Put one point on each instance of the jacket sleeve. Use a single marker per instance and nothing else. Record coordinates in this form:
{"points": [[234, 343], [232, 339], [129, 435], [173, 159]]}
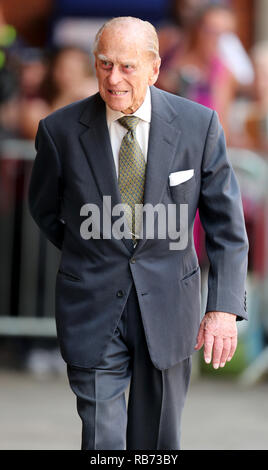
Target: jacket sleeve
{"points": [[45, 187], [221, 214]]}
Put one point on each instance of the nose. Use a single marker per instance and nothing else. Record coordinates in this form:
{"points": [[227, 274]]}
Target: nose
{"points": [[114, 76]]}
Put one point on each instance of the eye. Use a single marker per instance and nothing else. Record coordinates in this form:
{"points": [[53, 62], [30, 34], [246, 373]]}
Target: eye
{"points": [[106, 64], [128, 66]]}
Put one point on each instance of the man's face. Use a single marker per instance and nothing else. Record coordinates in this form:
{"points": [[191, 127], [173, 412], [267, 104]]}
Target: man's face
{"points": [[186, 9], [124, 68], [214, 24]]}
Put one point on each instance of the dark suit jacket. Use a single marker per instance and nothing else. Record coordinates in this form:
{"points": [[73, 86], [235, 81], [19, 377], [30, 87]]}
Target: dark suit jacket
{"points": [[74, 166]]}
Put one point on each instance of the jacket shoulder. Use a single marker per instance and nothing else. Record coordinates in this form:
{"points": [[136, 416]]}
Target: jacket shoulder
{"points": [[180, 103], [69, 112]]}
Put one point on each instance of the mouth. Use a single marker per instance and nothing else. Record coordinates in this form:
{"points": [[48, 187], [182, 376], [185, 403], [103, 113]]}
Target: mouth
{"points": [[117, 92]]}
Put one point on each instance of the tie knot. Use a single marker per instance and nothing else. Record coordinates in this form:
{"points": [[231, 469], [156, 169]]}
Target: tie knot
{"points": [[129, 122]]}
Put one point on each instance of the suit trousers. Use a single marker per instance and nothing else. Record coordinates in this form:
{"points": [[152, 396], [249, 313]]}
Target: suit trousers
{"points": [[152, 419]]}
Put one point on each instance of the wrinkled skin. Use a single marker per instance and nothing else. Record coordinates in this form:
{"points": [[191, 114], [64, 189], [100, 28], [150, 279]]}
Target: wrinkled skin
{"points": [[124, 65], [218, 335]]}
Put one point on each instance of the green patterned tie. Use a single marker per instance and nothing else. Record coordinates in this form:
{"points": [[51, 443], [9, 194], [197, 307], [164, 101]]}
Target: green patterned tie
{"points": [[131, 177]]}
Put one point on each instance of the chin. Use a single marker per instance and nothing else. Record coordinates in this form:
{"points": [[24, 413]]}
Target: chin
{"points": [[117, 105]]}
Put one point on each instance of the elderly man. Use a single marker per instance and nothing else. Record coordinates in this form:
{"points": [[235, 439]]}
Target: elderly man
{"points": [[128, 307]]}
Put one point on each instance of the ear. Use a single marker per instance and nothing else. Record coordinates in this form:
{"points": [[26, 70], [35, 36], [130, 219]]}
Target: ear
{"points": [[155, 71]]}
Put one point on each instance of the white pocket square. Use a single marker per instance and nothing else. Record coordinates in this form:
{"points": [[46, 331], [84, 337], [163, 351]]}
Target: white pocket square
{"points": [[180, 177]]}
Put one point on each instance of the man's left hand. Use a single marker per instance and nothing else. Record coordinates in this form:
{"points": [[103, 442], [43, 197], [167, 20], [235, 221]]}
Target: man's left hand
{"points": [[218, 334]]}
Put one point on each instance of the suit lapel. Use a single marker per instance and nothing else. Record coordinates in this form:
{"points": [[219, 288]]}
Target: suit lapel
{"points": [[97, 147], [163, 139]]}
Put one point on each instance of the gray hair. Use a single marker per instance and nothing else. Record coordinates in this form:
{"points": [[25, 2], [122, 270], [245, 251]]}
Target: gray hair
{"points": [[150, 34]]}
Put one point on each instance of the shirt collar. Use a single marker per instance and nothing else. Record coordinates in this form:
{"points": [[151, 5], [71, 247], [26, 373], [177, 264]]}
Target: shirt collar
{"points": [[143, 112]]}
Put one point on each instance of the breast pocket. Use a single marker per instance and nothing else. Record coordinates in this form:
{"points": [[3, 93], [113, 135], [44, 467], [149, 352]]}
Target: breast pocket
{"points": [[181, 192], [69, 276]]}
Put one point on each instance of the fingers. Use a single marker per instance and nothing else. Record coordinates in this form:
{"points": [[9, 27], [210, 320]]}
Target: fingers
{"points": [[217, 347], [217, 351], [225, 351], [232, 348], [200, 337], [208, 346]]}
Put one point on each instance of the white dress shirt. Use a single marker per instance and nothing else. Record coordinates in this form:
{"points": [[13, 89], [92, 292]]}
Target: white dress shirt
{"points": [[117, 131]]}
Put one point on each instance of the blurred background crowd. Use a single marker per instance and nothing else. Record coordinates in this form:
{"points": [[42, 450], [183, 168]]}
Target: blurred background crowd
{"points": [[213, 52]]}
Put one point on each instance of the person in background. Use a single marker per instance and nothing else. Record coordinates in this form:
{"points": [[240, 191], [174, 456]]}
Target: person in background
{"points": [[256, 121], [69, 77], [200, 74], [173, 38], [33, 69], [9, 101]]}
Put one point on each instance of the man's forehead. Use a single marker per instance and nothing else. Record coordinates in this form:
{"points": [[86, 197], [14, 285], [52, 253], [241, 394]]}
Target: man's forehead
{"points": [[126, 31], [121, 41]]}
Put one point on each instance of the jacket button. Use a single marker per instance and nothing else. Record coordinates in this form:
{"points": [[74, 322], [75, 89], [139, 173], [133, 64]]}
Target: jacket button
{"points": [[119, 293], [133, 260]]}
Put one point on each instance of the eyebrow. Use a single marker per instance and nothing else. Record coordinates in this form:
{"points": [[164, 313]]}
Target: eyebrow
{"points": [[106, 59], [103, 57]]}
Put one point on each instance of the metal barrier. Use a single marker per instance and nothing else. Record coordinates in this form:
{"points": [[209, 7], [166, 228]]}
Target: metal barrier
{"points": [[252, 172], [28, 261]]}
